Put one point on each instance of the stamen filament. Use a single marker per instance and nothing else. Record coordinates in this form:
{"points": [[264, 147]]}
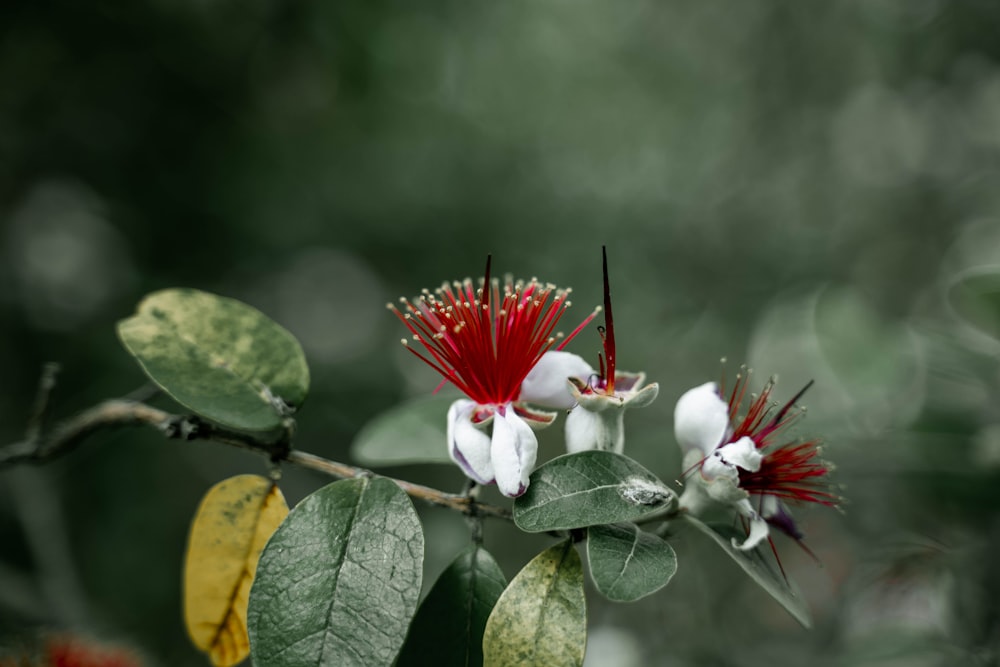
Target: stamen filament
{"points": [[486, 340]]}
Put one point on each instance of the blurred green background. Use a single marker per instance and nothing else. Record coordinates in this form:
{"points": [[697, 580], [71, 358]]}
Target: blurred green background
{"points": [[790, 184]]}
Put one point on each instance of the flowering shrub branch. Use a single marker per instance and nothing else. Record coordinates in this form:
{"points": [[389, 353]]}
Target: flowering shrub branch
{"points": [[293, 587]]}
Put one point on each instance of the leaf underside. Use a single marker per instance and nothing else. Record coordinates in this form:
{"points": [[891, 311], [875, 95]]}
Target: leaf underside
{"points": [[755, 563]]}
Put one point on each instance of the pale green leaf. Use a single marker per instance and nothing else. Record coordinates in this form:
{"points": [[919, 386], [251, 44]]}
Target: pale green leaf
{"points": [[760, 570], [541, 619], [218, 357], [412, 432]]}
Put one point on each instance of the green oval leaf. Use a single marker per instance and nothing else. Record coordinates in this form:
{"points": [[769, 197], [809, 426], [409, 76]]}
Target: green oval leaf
{"points": [[218, 357], [626, 563], [541, 619], [587, 489], [412, 432], [448, 628], [976, 298], [760, 570], [339, 581]]}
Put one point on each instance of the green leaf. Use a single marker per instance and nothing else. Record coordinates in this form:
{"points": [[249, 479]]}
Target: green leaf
{"points": [[541, 619], [587, 489], [412, 432], [626, 563], [339, 581], [218, 357], [760, 570], [976, 298], [448, 628]]}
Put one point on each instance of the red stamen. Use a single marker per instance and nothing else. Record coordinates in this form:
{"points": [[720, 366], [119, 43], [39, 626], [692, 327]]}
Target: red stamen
{"points": [[587, 320], [486, 341], [752, 424], [792, 472], [608, 335], [789, 404], [789, 471], [777, 558]]}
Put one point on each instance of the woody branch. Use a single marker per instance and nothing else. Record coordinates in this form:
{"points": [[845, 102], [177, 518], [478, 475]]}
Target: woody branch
{"points": [[40, 446]]}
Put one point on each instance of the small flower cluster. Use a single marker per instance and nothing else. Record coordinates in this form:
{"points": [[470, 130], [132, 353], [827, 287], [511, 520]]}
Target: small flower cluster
{"points": [[597, 421], [741, 460], [486, 341], [498, 344]]}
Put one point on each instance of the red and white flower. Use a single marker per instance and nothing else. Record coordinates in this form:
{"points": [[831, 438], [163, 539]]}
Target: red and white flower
{"points": [[486, 341], [598, 420], [743, 460]]}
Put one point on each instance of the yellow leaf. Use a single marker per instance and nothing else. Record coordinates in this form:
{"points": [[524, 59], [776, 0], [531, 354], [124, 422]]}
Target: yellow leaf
{"points": [[235, 520]]}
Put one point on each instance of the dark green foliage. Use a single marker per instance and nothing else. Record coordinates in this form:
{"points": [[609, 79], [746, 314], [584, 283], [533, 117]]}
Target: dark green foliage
{"points": [[339, 581], [448, 628], [626, 563]]}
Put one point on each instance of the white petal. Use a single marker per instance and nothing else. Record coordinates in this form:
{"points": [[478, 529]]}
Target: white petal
{"points": [[742, 453], [580, 425], [468, 445], [695, 498], [643, 397], [547, 384], [514, 450], [770, 506], [594, 430], [596, 401], [715, 467], [758, 527], [536, 419], [701, 419], [725, 488]]}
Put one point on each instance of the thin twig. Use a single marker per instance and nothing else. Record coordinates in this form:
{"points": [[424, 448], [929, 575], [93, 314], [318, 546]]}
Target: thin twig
{"points": [[146, 392], [65, 437], [475, 521], [46, 383], [462, 503]]}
